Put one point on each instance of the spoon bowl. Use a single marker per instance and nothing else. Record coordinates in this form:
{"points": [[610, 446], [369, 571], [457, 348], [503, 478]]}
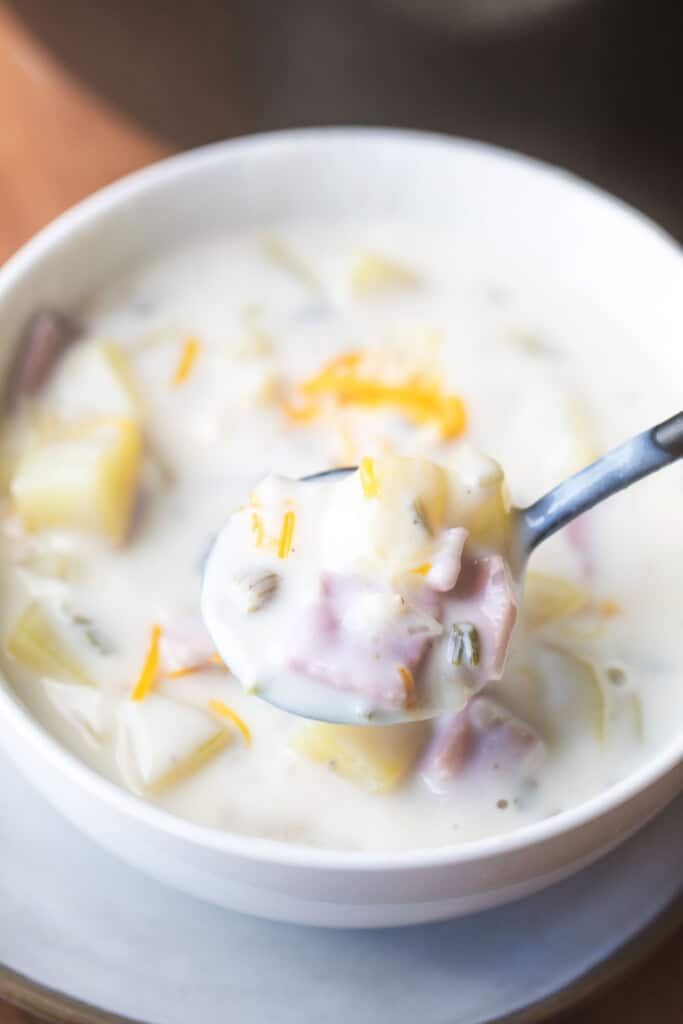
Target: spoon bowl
{"points": [[619, 468]]}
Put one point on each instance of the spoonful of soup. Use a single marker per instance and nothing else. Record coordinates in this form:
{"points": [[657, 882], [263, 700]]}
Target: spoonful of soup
{"points": [[390, 591]]}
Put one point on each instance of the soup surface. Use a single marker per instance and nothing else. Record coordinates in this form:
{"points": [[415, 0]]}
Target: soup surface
{"points": [[141, 427]]}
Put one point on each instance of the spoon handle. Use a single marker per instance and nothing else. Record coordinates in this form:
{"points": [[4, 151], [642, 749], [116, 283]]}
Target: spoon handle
{"points": [[619, 468]]}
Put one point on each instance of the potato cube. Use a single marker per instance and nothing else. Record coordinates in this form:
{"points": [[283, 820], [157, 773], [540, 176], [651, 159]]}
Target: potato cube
{"points": [[38, 643], [478, 497], [84, 479], [375, 757], [161, 742]]}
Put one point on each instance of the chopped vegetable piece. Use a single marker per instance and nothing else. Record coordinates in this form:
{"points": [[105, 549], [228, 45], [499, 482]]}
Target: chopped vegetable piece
{"points": [[377, 758], [150, 669], [418, 398], [372, 273], [188, 357], [92, 634], [38, 643], [46, 335], [85, 479], [286, 259], [51, 563], [548, 598], [252, 590], [83, 707], [161, 742], [420, 517], [225, 711], [368, 480], [463, 644], [589, 677], [95, 380], [287, 534]]}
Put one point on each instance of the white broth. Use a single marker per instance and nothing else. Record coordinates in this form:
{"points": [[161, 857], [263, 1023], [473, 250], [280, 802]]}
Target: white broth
{"points": [[199, 374]]}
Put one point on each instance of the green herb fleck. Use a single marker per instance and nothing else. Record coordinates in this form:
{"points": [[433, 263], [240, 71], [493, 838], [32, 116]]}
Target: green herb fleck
{"points": [[463, 645]]}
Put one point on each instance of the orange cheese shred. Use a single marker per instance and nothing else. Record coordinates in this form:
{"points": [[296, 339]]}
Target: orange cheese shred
{"points": [[422, 570], [287, 535], [150, 668], [219, 708], [257, 529], [408, 683], [418, 398], [187, 360], [368, 477], [215, 661]]}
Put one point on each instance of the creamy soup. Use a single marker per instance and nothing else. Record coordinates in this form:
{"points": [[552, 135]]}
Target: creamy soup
{"points": [[140, 423], [386, 593]]}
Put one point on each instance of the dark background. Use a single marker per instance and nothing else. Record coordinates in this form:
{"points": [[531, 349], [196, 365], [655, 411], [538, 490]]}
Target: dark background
{"points": [[593, 85]]}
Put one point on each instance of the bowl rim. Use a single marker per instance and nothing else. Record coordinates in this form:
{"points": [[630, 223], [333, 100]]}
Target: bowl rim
{"points": [[16, 717]]}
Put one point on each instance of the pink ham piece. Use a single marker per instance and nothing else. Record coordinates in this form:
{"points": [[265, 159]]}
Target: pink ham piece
{"points": [[483, 738], [185, 644], [45, 337], [484, 597], [340, 646]]}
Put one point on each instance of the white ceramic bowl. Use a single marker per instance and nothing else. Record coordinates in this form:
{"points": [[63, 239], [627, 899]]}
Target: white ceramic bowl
{"points": [[553, 223]]}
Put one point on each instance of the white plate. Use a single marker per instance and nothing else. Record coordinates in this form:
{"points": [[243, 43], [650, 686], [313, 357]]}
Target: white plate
{"points": [[78, 922]]}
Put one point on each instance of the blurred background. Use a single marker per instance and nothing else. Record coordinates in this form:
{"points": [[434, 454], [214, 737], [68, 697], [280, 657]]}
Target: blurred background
{"points": [[593, 85]]}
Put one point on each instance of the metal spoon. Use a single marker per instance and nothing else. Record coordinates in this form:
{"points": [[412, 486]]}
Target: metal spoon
{"points": [[625, 465]]}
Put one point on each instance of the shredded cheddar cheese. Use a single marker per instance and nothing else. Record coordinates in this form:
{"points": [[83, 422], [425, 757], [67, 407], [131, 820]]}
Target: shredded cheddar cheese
{"points": [[609, 608], [408, 683], [219, 708], [213, 661], [187, 360], [180, 673], [150, 668], [368, 477], [422, 570], [419, 398], [257, 529], [287, 534]]}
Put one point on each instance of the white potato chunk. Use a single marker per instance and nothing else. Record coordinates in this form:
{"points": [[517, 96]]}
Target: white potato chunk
{"points": [[83, 707], [161, 742], [375, 757], [39, 642], [84, 479]]}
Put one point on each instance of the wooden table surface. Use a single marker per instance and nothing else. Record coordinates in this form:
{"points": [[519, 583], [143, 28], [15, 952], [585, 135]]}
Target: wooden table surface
{"points": [[57, 144]]}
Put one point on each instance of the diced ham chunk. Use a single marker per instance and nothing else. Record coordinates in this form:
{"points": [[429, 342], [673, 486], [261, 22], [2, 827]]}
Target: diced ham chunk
{"points": [[361, 637], [46, 335], [483, 738], [484, 597], [185, 644]]}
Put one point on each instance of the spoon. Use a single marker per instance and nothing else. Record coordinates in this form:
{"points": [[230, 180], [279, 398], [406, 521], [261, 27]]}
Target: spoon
{"points": [[619, 468]]}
